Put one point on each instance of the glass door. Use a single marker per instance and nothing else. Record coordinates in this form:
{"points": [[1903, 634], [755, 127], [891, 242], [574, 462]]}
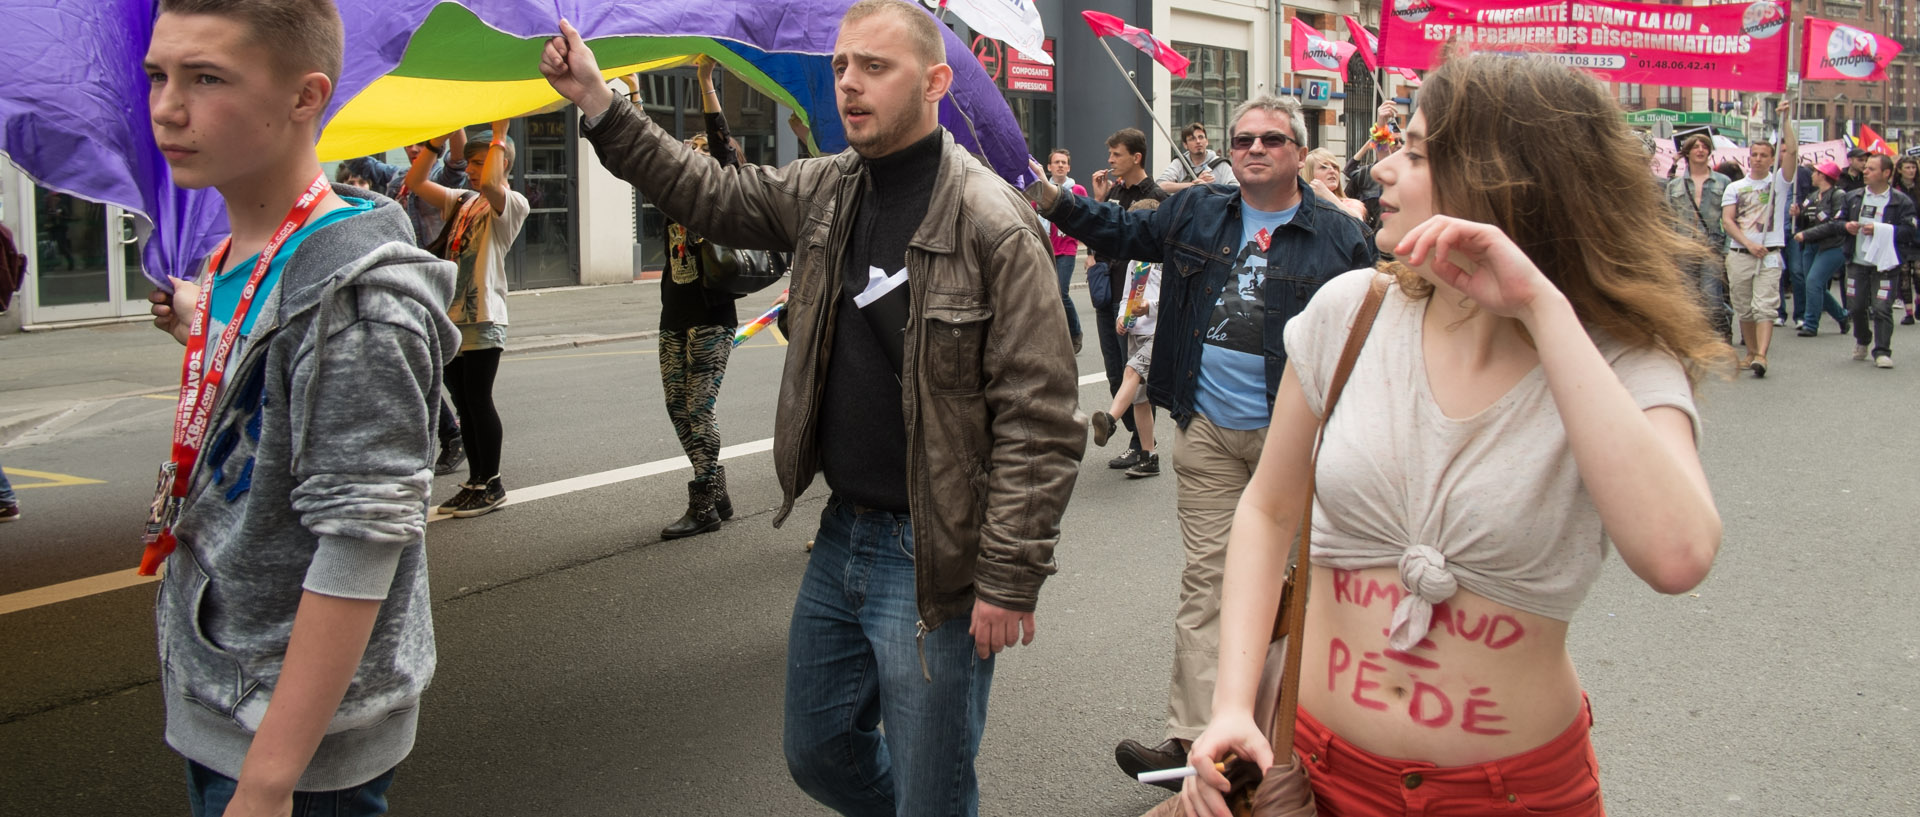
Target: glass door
{"points": [[84, 263], [543, 256]]}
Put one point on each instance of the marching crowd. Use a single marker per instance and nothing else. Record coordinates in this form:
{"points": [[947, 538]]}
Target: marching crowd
{"points": [[1511, 322]]}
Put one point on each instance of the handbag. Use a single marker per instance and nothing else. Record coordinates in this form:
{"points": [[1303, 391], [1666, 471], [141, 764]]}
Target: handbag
{"points": [[739, 272], [1284, 791], [1100, 285]]}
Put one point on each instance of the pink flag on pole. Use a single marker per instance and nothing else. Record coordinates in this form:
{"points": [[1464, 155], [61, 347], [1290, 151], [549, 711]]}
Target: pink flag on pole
{"points": [[1833, 50], [1364, 40], [1312, 51], [1107, 25]]}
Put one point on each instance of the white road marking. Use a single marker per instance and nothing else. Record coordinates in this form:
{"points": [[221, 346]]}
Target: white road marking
{"points": [[122, 579]]}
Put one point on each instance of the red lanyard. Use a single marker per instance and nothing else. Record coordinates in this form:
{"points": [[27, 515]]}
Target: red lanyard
{"points": [[198, 392]]}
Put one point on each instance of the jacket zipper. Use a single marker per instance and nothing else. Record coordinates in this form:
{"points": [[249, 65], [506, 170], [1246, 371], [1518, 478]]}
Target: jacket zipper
{"points": [[920, 640], [830, 300], [909, 394]]}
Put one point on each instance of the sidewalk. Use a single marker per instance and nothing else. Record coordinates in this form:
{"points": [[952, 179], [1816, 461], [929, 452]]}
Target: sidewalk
{"points": [[44, 375]]}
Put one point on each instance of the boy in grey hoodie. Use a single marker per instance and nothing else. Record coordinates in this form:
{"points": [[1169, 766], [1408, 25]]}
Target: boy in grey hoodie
{"points": [[294, 621]]}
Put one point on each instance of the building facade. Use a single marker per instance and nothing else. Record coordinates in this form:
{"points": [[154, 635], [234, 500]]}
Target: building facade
{"points": [[588, 227]]}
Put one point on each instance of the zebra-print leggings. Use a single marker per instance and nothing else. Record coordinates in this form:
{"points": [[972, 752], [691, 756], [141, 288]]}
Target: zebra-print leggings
{"points": [[692, 363]]}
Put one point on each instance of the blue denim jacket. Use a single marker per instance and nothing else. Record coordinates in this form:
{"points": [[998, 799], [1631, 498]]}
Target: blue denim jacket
{"points": [[1194, 236]]}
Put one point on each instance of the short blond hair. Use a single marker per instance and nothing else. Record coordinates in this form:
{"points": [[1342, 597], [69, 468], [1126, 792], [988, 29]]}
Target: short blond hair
{"points": [[921, 28]]}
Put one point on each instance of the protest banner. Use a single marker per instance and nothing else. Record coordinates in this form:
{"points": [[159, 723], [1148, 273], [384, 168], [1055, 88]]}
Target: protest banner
{"points": [[1665, 159], [1740, 46]]}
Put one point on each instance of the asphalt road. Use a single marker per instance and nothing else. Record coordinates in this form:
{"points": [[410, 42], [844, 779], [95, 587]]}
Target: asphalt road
{"points": [[587, 668]]}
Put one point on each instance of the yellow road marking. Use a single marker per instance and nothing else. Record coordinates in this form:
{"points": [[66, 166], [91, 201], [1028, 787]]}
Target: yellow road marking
{"points": [[49, 479], [56, 593]]}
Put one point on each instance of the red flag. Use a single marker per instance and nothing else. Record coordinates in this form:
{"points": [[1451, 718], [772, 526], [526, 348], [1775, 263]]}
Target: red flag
{"points": [[1107, 25], [1312, 51], [1832, 50], [1871, 141], [1364, 40]]}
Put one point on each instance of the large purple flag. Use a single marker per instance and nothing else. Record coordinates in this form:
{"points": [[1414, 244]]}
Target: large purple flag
{"points": [[73, 96]]}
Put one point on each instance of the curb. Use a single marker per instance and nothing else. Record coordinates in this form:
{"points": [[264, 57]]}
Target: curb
{"points": [[595, 340]]}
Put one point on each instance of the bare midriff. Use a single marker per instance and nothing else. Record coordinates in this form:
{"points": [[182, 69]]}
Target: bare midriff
{"points": [[1487, 682]]}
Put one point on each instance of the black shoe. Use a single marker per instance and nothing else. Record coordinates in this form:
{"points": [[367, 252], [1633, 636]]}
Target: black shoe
{"points": [[1908, 320], [1843, 323], [481, 499], [9, 512], [1102, 427], [1135, 758], [1124, 461], [459, 498], [1076, 344], [452, 454], [1148, 466], [700, 517], [1807, 333]]}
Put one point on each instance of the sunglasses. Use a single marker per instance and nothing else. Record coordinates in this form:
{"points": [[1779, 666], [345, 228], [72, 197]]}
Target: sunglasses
{"points": [[1273, 139]]}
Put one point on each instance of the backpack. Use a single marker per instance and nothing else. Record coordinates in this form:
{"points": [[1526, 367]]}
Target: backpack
{"points": [[13, 268]]}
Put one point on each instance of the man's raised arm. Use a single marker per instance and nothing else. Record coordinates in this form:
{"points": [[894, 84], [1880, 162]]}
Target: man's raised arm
{"points": [[749, 207]]}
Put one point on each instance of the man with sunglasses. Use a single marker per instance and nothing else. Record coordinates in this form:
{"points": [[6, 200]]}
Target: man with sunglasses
{"points": [[1238, 263]]}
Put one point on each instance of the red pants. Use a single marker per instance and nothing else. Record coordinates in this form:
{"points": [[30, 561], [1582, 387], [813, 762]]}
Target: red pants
{"points": [[1560, 778]]}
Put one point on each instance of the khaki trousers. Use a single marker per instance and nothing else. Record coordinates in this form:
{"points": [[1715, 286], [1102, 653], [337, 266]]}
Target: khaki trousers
{"points": [[1212, 466]]}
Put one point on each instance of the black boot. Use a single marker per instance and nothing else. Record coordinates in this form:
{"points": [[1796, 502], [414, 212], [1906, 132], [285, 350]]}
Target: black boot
{"points": [[722, 504], [700, 516]]}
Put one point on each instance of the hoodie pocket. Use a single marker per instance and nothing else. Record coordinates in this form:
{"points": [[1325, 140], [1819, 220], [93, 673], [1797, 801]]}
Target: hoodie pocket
{"points": [[200, 669]]}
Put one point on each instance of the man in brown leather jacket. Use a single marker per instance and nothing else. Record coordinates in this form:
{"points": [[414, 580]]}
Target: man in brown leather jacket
{"points": [[930, 377]]}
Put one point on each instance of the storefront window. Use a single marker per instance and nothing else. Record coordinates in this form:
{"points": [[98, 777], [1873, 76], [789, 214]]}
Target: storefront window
{"points": [[1216, 82]]}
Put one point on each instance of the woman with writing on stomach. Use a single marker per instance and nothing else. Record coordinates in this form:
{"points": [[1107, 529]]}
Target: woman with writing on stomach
{"points": [[1523, 402]]}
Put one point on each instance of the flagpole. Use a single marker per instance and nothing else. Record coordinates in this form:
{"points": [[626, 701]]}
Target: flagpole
{"points": [[1180, 148]]}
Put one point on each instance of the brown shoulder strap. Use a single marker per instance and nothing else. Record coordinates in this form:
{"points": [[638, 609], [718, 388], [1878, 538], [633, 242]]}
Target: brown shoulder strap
{"points": [[1282, 731]]}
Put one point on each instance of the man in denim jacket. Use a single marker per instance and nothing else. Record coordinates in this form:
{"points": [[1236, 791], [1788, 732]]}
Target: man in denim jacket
{"points": [[1238, 264]]}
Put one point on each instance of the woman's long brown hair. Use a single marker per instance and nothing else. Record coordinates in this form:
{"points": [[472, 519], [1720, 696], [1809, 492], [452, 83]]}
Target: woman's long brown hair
{"points": [[1541, 151]]}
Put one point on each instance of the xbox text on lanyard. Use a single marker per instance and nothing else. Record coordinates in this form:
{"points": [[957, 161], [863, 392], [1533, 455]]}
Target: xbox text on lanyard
{"points": [[198, 393]]}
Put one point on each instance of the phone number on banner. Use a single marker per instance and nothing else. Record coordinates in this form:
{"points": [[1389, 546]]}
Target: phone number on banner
{"points": [[1597, 62], [1680, 65]]}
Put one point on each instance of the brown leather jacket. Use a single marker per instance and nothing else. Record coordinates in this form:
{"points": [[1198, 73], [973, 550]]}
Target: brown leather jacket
{"points": [[990, 386]]}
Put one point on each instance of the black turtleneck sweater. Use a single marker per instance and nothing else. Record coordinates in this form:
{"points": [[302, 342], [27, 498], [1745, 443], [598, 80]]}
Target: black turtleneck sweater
{"points": [[863, 427]]}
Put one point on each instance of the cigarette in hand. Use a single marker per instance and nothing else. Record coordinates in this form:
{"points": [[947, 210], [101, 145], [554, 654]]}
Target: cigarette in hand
{"points": [[1180, 773]]}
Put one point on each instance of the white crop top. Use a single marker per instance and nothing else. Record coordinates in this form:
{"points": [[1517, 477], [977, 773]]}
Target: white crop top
{"points": [[1492, 502]]}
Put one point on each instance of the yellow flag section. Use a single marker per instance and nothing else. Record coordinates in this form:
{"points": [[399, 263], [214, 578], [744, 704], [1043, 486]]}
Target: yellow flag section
{"points": [[458, 71]]}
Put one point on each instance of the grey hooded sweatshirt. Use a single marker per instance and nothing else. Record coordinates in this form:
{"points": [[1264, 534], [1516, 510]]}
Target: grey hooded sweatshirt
{"points": [[314, 476]]}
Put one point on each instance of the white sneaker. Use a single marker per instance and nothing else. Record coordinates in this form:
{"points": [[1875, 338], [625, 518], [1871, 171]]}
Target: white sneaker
{"points": [[1884, 361], [1859, 353], [1779, 321]]}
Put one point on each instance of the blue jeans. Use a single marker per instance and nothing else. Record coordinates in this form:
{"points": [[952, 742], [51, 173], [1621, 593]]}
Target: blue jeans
{"points": [[1818, 294], [853, 664], [208, 791], [1793, 278], [1063, 267], [6, 489], [1714, 288]]}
